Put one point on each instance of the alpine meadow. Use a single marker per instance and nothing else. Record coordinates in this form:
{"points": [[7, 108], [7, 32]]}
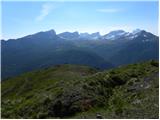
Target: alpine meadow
{"points": [[79, 60]]}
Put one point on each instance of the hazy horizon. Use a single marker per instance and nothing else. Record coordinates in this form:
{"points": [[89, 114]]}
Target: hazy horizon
{"points": [[72, 32]]}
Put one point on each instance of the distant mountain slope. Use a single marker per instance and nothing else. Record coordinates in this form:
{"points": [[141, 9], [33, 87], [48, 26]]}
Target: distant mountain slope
{"points": [[55, 58], [71, 91], [69, 36], [19, 56], [43, 49], [145, 46], [115, 35]]}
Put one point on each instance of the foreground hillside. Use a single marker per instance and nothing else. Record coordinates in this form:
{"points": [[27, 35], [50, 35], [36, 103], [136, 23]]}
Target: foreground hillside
{"points": [[73, 91]]}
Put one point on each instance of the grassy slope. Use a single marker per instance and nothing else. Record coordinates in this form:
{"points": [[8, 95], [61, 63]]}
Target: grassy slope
{"points": [[137, 98], [71, 91]]}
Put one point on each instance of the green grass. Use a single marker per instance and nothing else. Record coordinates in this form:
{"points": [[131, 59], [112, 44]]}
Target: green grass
{"points": [[74, 91]]}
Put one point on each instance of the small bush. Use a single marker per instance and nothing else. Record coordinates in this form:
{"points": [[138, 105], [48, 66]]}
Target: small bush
{"points": [[154, 63], [117, 80]]}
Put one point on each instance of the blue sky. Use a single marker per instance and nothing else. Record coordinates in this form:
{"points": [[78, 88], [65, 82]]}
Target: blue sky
{"points": [[23, 18]]}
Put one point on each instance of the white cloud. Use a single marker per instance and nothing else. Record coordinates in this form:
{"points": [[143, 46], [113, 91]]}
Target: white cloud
{"points": [[46, 9], [108, 10]]}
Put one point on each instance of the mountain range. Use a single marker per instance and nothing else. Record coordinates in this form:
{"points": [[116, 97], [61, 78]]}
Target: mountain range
{"points": [[43, 49]]}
